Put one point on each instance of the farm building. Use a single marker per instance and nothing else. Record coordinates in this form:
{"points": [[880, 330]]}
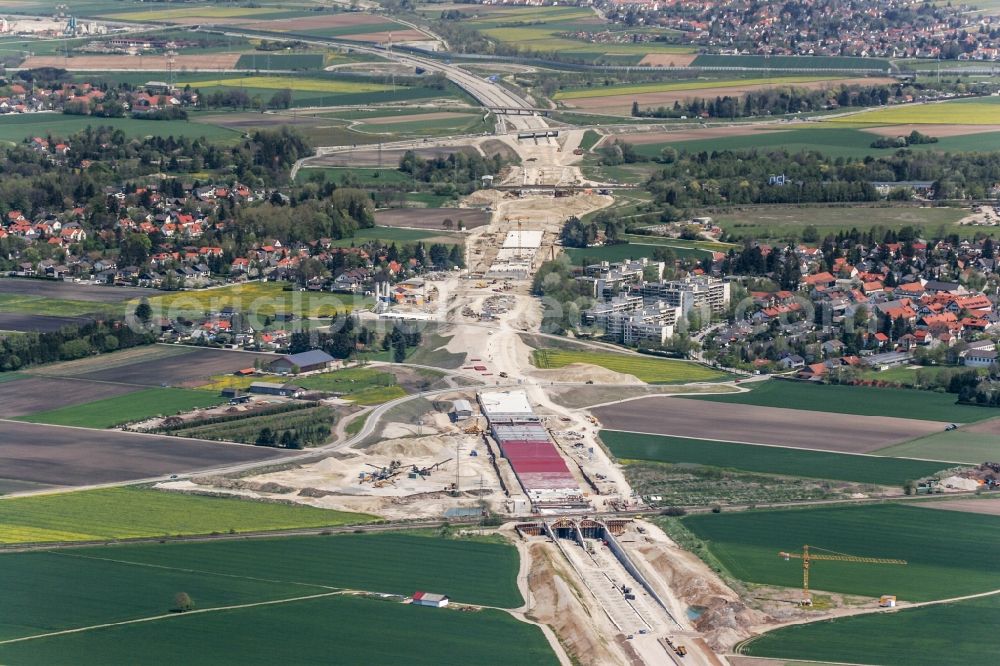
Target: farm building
{"points": [[308, 361], [430, 599], [463, 409], [270, 388]]}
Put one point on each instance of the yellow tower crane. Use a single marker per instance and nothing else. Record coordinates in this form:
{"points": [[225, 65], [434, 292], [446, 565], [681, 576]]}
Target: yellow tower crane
{"points": [[807, 556]]}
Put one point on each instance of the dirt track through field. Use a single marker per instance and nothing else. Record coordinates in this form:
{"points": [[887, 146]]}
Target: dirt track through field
{"points": [[845, 433], [212, 61], [169, 616]]}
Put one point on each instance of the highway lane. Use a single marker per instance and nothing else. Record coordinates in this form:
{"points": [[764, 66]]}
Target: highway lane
{"points": [[487, 93]]}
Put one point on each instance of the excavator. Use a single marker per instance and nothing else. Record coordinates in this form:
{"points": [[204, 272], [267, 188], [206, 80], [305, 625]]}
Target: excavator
{"points": [[807, 556]]}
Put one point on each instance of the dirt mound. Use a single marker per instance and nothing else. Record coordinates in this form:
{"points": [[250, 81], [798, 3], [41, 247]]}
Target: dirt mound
{"points": [[583, 372], [667, 59], [242, 484], [725, 620], [727, 623], [482, 198], [410, 447]]}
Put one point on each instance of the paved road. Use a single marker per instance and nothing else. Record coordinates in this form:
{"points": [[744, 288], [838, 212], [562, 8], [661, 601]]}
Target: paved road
{"points": [[487, 93]]}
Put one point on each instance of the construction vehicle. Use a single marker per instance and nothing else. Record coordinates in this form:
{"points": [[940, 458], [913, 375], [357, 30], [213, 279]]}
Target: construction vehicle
{"points": [[680, 650], [382, 474], [807, 556], [426, 471]]}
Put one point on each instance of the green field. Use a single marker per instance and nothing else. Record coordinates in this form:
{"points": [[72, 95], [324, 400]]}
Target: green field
{"points": [[546, 30], [466, 123], [137, 406], [325, 97], [790, 62], [55, 307], [15, 128], [679, 243], [281, 61], [48, 592], [948, 553], [695, 85], [260, 298], [346, 381], [948, 634], [583, 256], [768, 222], [364, 386], [590, 139], [862, 400], [829, 139], [122, 513], [649, 369], [767, 459], [387, 562], [958, 445], [355, 629], [294, 83], [975, 111]]}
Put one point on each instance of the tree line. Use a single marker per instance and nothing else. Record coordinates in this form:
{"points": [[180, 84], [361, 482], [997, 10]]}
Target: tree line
{"points": [[691, 180], [776, 101], [23, 350]]}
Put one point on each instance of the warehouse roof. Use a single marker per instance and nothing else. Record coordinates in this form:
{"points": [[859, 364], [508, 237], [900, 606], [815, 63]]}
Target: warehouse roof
{"points": [[275, 387], [505, 402], [311, 357]]}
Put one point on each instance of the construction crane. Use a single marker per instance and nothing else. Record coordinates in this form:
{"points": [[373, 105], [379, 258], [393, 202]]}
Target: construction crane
{"points": [[807, 556]]}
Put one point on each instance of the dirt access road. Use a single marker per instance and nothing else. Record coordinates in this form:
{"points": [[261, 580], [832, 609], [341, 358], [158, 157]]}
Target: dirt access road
{"points": [[501, 349]]}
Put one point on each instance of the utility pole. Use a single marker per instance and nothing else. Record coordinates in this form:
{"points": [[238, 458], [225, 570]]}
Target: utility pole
{"points": [[458, 464]]}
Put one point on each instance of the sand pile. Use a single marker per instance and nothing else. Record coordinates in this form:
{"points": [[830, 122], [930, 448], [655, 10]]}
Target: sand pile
{"points": [[583, 372], [411, 447]]}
